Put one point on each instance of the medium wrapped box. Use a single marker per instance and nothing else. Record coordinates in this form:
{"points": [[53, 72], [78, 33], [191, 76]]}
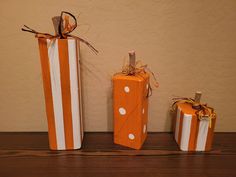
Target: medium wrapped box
{"points": [[194, 124], [130, 106]]}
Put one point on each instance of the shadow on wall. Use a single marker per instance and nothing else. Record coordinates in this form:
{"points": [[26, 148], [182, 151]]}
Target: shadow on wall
{"points": [[82, 89], [110, 109], [170, 118]]}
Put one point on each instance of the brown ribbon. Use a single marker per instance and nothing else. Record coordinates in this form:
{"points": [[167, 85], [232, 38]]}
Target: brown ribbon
{"points": [[67, 29], [138, 69], [204, 112]]}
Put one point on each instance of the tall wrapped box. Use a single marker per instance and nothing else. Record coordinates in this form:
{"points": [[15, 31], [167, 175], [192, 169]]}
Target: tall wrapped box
{"points": [[60, 65], [62, 89], [130, 107], [194, 125]]}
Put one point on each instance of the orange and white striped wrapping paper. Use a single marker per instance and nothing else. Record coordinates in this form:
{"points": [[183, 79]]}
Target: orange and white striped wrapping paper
{"points": [[62, 90], [190, 133]]}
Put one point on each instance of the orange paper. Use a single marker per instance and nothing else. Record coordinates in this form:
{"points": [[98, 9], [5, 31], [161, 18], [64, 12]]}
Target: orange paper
{"points": [[130, 109]]}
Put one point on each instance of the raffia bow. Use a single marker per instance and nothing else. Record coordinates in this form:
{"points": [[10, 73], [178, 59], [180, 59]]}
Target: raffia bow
{"points": [[138, 69], [64, 30], [204, 112]]}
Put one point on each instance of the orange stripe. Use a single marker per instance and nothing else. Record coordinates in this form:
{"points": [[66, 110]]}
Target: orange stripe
{"points": [[65, 89], [196, 135], [47, 92], [180, 126], [193, 130], [210, 135]]}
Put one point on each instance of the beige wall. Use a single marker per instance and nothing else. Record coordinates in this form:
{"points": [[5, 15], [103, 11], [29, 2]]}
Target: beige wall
{"points": [[191, 45]]}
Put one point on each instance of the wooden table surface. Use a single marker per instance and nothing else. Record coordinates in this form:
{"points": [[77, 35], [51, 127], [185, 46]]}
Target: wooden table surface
{"points": [[27, 155]]}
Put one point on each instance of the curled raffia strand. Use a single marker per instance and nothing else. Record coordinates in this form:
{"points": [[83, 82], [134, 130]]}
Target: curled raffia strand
{"points": [[203, 113], [139, 69], [68, 28], [49, 36]]}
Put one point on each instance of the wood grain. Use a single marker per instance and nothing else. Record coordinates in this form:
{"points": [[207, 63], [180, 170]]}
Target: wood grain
{"points": [[27, 154]]}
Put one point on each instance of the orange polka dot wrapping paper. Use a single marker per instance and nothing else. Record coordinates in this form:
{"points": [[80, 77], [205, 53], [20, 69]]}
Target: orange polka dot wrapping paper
{"points": [[130, 109]]}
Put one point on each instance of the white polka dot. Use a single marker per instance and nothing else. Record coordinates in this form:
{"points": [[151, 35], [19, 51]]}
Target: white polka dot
{"points": [[131, 136], [122, 111], [147, 86], [144, 128], [143, 111], [126, 89]]}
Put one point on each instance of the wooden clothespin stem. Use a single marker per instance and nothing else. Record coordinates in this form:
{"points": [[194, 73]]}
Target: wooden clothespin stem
{"points": [[197, 99], [56, 22], [132, 62]]}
